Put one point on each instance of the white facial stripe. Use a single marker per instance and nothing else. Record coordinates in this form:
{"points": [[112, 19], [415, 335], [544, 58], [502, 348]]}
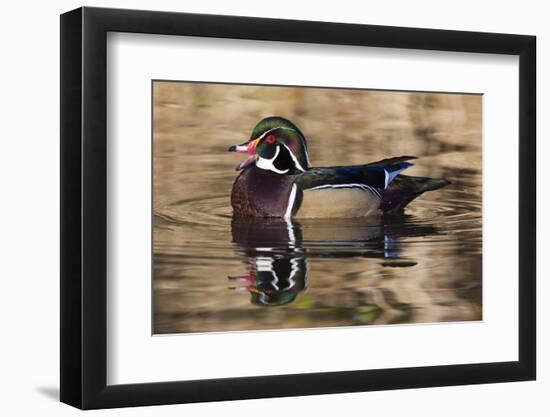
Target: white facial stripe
{"points": [[267, 164], [305, 150], [291, 199], [296, 163], [268, 131]]}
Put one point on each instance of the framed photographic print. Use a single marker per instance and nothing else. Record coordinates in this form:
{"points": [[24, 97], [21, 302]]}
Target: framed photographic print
{"points": [[256, 207]]}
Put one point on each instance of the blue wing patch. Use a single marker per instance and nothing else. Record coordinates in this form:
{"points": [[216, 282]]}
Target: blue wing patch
{"points": [[390, 171], [394, 170]]}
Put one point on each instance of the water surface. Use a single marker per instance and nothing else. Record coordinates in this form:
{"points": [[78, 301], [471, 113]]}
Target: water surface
{"points": [[214, 272]]}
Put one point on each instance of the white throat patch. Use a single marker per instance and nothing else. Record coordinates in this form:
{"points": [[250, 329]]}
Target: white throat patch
{"points": [[268, 165]]}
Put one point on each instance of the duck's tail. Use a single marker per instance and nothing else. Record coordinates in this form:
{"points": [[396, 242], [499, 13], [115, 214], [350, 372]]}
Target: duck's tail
{"points": [[404, 189]]}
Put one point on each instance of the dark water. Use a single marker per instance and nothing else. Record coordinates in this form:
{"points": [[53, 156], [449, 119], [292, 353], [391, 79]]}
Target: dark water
{"points": [[213, 272]]}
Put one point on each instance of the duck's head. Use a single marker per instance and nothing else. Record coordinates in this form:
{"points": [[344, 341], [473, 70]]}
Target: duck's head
{"points": [[277, 145]]}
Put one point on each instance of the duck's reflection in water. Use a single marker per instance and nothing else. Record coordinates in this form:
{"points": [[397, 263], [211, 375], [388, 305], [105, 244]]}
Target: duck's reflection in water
{"points": [[273, 280], [277, 251], [277, 262]]}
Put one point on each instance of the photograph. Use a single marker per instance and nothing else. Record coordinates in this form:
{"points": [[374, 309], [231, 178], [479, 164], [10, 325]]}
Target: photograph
{"points": [[298, 207]]}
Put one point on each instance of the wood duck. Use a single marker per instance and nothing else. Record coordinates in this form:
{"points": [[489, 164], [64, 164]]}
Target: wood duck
{"points": [[277, 180]]}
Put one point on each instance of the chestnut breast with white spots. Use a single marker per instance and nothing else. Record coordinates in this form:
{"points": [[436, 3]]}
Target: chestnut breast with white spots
{"points": [[263, 193]]}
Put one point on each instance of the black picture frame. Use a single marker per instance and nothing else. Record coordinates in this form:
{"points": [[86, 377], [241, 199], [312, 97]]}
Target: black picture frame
{"points": [[84, 207]]}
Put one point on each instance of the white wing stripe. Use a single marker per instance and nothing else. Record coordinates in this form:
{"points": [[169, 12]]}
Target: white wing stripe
{"points": [[364, 187]]}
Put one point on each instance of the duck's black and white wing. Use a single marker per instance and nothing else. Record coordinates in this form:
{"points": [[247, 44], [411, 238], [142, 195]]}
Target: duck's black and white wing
{"points": [[374, 177], [345, 191]]}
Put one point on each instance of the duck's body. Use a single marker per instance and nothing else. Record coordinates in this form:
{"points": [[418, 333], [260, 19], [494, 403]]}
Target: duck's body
{"points": [[261, 193], [277, 180]]}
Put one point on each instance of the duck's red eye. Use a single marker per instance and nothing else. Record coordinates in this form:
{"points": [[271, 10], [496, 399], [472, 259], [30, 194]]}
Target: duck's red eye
{"points": [[270, 139]]}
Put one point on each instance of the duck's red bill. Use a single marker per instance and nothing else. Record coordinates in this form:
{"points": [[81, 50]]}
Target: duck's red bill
{"points": [[249, 148]]}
